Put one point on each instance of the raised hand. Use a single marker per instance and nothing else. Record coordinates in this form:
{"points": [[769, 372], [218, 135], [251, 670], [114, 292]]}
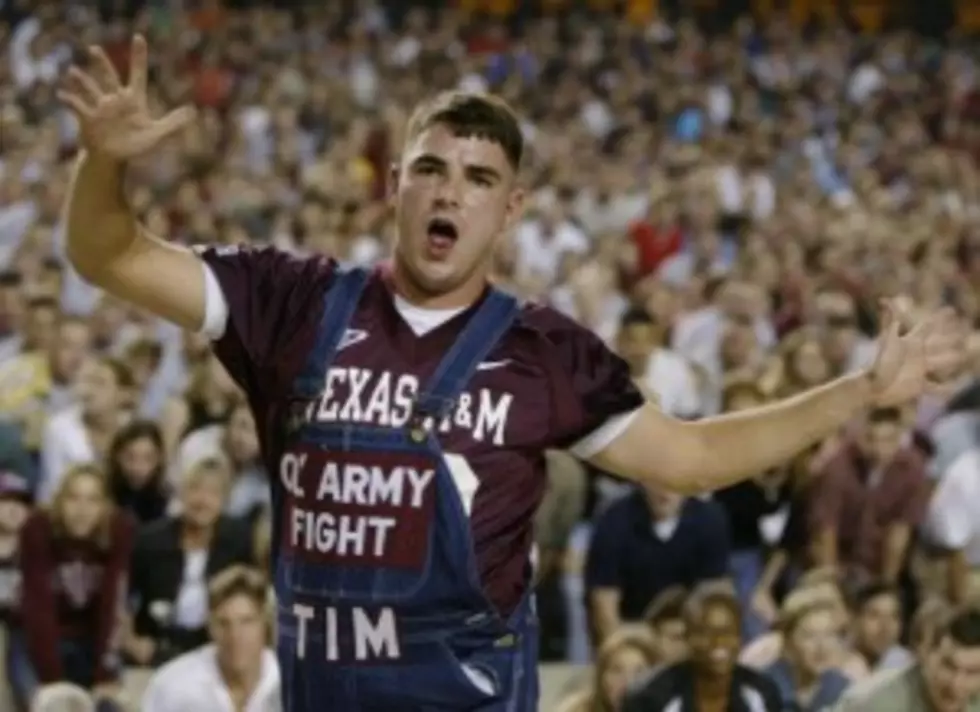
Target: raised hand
{"points": [[114, 119], [916, 353]]}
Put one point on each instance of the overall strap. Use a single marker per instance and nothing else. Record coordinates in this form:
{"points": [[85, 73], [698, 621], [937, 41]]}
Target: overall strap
{"points": [[339, 303], [482, 332]]}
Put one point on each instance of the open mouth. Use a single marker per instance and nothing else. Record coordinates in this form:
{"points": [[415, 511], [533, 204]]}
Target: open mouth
{"points": [[442, 234]]}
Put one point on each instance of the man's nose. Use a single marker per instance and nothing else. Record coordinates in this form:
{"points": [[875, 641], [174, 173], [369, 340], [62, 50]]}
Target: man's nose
{"points": [[447, 193]]}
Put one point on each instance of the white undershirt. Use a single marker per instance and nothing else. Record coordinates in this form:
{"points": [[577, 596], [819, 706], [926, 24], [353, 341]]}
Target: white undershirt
{"points": [[421, 321]]}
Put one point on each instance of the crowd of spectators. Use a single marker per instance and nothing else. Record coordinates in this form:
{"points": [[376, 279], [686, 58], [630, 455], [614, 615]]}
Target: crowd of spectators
{"points": [[725, 208]]}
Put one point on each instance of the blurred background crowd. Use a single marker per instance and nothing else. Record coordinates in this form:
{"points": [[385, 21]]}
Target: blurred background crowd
{"points": [[723, 191]]}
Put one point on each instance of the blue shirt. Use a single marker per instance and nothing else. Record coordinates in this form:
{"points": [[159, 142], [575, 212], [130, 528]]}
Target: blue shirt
{"points": [[627, 552], [830, 686]]}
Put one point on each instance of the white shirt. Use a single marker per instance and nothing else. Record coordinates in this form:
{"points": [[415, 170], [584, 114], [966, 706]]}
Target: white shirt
{"points": [[541, 254], [65, 443], [671, 378], [193, 683], [953, 521]]}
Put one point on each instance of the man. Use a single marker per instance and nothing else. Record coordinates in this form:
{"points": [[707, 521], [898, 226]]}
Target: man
{"points": [[665, 619], [867, 500], [659, 371], [236, 671], [878, 627], [947, 679], [953, 525], [712, 680], [405, 413], [646, 543]]}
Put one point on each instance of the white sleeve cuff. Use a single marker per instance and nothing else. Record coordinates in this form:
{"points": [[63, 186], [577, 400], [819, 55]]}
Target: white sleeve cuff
{"points": [[600, 438], [215, 306]]}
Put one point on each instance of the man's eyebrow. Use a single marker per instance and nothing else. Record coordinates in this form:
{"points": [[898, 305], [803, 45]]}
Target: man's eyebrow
{"points": [[482, 171], [477, 170]]}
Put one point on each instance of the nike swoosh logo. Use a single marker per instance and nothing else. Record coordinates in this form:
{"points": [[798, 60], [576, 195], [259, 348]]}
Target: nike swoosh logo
{"points": [[491, 365], [351, 337]]}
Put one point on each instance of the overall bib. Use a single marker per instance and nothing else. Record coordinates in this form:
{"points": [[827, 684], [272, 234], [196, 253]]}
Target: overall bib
{"points": [[451, 650]]}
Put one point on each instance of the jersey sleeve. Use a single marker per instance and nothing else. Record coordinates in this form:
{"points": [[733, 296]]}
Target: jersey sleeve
{"points": [[262, 307], [595, 396]]}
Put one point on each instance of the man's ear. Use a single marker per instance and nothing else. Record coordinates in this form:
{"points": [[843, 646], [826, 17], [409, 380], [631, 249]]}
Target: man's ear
{"points": [[515, 207]]}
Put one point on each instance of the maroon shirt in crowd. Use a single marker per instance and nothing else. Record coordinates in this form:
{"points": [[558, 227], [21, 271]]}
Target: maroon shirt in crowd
{"points": [[548, 383], [860, 502], [72, 590]]}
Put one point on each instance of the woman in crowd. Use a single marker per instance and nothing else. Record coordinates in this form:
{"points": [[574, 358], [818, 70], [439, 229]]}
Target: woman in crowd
{"points": [[82, 433], [172, 562], [766, 650], [805, 673], [74, 557], [624, 655], [208, 400], [137, 472]]}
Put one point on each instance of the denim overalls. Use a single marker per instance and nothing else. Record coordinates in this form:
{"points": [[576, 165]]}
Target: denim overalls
{"points": [[453, 651]]}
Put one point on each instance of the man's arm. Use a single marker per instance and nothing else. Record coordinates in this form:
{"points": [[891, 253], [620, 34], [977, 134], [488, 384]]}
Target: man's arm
{"points": [[604, 609], [823, 549], [108, 247], [700, 456], [957, 579], [896, 546]]}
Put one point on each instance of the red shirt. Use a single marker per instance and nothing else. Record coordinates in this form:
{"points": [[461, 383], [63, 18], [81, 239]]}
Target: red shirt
{"points": [[72, 589], [654, 244]]}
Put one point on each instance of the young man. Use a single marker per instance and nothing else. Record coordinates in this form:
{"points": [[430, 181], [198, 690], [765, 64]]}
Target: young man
{"points": [[236, 671], [406, 414], [945, 679]]}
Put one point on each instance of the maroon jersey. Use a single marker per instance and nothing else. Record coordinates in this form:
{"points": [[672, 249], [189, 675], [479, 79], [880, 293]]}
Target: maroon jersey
{"points": [[548, 384], [72, 589]]}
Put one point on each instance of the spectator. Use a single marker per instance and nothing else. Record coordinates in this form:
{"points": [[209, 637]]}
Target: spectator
{"points": [[137, 471], [15, 501], [74, 558], [665, 619], [82, 434], [926, 623], [34, 384], [658, 370], [174, 558], [63, 697], [946, 680], [237, 443], [767, 649], [878, 627], [208, 400], [623, 656], [645, 543], [952, 522], [846, 347], [758, 511], [711, 679], [866, 502], [237, 671], [805, 674]]}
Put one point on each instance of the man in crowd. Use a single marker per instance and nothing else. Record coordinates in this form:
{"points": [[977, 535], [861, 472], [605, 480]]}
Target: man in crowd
{"points": [[237, 671], [646, 543], [946, 680]]}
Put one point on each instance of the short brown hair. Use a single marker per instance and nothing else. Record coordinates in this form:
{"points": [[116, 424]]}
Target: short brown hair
{"points": [[801, 603], [472, 114], [238, 581], [667, 606]]}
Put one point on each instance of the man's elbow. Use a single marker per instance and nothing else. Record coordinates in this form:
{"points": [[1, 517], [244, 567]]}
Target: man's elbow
{"points": [[661, 451]]}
